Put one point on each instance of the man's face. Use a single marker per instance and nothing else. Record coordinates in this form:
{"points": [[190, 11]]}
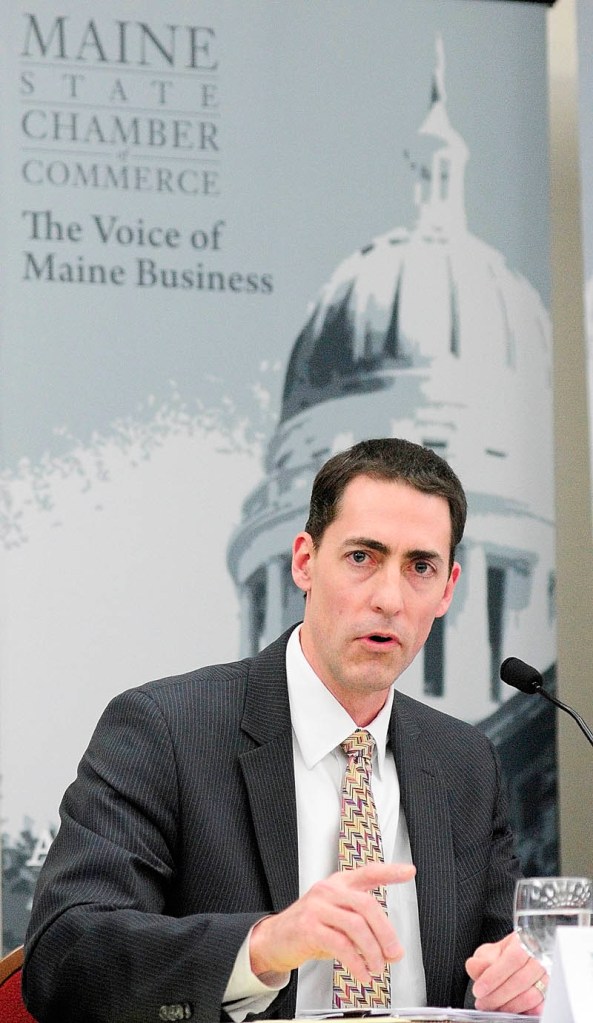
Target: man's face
{"points": [[378, 579]]}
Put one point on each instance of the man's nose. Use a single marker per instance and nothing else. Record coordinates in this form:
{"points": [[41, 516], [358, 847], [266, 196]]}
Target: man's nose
{"points": [[387, 595]]}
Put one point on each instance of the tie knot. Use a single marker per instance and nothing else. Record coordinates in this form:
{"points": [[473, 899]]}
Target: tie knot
{"points": [[359, 744]]}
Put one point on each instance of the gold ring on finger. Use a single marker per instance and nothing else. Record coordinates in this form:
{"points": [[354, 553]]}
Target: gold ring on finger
{"points": [[541, 986]]}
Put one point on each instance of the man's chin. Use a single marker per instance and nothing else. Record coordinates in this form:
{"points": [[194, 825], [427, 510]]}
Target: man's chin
{"points": [[379, 669], [372, 682]]}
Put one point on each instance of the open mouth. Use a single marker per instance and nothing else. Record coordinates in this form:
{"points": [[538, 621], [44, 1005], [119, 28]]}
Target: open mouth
{"points": [[376, 638]]}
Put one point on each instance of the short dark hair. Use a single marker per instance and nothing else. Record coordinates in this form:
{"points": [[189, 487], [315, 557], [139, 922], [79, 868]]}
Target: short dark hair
{"points": [[385, 458]]}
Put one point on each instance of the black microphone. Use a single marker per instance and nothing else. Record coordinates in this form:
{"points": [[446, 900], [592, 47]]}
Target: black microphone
{"points": [[528, 680]]}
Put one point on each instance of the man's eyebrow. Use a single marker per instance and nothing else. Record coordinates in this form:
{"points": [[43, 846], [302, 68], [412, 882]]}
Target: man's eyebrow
{"points": [[425, 556], [367, 541]]}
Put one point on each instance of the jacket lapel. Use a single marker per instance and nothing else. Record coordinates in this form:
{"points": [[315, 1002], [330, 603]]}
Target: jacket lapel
{"points": [[268, 771], [425, 802]]}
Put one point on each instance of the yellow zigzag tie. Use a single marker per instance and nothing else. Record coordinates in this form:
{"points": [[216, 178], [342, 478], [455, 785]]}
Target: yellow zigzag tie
{"points": [[360, 843]]}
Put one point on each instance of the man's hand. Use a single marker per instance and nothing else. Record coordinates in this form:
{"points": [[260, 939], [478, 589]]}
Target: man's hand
{"points": [[505, 976], [338, 918]]}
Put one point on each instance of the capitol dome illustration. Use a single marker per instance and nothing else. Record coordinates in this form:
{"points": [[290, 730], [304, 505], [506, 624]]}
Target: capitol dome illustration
{"points": [[428, 334]]}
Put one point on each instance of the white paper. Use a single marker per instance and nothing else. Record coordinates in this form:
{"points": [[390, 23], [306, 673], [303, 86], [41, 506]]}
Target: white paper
{"points": [[570, 993], [419, 1015]]}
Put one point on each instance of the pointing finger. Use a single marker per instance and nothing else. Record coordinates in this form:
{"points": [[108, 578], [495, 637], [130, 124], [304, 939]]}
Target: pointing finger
{"points": [[374, 874]]}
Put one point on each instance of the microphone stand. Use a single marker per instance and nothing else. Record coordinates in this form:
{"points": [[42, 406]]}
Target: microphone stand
{"points": [[569, 710]]}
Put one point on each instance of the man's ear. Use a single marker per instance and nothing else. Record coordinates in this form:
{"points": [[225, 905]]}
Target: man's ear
{"points": [[303, 553], [449, 590]]}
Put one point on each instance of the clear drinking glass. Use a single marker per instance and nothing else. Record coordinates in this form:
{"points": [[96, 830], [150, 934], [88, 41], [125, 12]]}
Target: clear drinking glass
{"points": [[544, 903]]}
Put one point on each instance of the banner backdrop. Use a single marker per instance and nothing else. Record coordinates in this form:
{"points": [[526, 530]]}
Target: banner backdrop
{"points": [[235, 239]]}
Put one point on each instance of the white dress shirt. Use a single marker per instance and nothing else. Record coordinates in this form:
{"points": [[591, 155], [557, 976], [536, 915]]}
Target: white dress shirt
{"points": [[320, 724]]}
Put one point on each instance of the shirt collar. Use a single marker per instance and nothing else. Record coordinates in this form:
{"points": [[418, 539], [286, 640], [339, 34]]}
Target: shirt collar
{"points": [[319, 722]]}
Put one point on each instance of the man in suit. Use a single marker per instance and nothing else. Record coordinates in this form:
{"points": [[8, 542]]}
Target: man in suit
{"points": [[194, 873]]}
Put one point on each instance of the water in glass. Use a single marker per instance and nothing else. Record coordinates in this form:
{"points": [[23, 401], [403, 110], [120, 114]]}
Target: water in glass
{"points": [[544, 903]]}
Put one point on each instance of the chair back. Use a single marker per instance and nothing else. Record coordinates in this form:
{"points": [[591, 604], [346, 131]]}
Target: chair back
{"points": [[12, 1007]]}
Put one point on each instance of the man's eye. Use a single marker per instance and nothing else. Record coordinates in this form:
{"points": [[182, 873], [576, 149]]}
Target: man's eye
{"points": [[359, 557], [422, 567]]}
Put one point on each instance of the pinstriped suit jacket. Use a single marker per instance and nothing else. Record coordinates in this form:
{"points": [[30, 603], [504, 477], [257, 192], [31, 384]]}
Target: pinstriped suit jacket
{"points": [[180, 831]]}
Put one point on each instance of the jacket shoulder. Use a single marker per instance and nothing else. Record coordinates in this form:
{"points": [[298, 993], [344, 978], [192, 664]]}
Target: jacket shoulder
{"points": [[223, 686], [437, 728]]}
